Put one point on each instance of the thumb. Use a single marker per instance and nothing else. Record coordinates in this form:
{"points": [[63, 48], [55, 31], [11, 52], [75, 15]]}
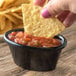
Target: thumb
{"points": [[54, 7]]}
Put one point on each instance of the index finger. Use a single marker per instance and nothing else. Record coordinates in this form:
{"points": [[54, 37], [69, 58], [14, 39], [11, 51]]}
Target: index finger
{"points": [[39, 2]]}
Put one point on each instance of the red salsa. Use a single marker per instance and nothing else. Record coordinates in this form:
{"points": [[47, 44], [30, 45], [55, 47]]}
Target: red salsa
{"points": [[25, 39]]}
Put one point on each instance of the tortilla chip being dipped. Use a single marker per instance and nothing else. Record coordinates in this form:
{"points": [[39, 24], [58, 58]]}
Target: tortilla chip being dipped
{"points": [[36, 25]]}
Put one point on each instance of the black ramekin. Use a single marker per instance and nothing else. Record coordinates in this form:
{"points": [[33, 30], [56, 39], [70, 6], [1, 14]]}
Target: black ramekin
{"points": [[35, 58]]}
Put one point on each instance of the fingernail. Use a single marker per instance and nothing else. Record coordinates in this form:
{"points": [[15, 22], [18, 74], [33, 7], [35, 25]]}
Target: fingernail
{"points": [[45, 13], [66, 24]]}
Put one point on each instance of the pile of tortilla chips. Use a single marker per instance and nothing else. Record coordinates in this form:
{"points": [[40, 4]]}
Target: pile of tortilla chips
{"points": [[11, 14], [36, 25]]}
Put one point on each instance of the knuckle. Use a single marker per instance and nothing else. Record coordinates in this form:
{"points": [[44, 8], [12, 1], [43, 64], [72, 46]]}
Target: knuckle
{"points": [[72, 6]]}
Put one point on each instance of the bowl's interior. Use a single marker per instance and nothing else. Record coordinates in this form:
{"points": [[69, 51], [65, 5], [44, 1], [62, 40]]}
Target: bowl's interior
{"points": [[59, 37]]}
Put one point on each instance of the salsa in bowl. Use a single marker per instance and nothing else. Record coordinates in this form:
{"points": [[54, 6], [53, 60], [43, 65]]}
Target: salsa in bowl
{"points": [[34, 53], [22, 38]]}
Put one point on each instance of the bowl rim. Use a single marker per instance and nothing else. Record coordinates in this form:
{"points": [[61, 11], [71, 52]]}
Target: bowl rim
{"points": [[20, 45]]}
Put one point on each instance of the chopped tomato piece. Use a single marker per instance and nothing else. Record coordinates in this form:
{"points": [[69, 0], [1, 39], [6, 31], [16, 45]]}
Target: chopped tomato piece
{"points": [[22, 41], [25, 39], [27, 36], [56, 42], [11, 37], [13, 33], [16, 40], [48, 45], [20, 34], [28, 39]]}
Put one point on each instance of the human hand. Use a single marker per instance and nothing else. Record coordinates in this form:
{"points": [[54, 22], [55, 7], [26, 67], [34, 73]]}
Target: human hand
{"points": [[65, 10]]}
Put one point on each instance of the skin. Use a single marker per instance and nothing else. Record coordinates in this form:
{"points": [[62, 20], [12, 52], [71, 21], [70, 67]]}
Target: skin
{"points": [[65, 10]]}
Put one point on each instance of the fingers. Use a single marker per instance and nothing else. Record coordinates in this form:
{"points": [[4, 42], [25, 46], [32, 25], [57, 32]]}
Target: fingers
{"points": [[58, 7], [39, 2], [54, 7], [63, 15], [71, 18], [67, 18]]}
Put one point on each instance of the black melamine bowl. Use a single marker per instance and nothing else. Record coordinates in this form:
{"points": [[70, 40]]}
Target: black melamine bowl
{"points": [[35, 58]]}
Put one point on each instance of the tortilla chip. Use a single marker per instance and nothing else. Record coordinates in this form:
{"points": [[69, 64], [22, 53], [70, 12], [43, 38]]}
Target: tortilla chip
{"points": [[9, 27], [1, 3], [14, 9], [18, 3], [2, 22], [7, 2], [12, 18], [19, 26], [36, 25], [17, 16]]}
